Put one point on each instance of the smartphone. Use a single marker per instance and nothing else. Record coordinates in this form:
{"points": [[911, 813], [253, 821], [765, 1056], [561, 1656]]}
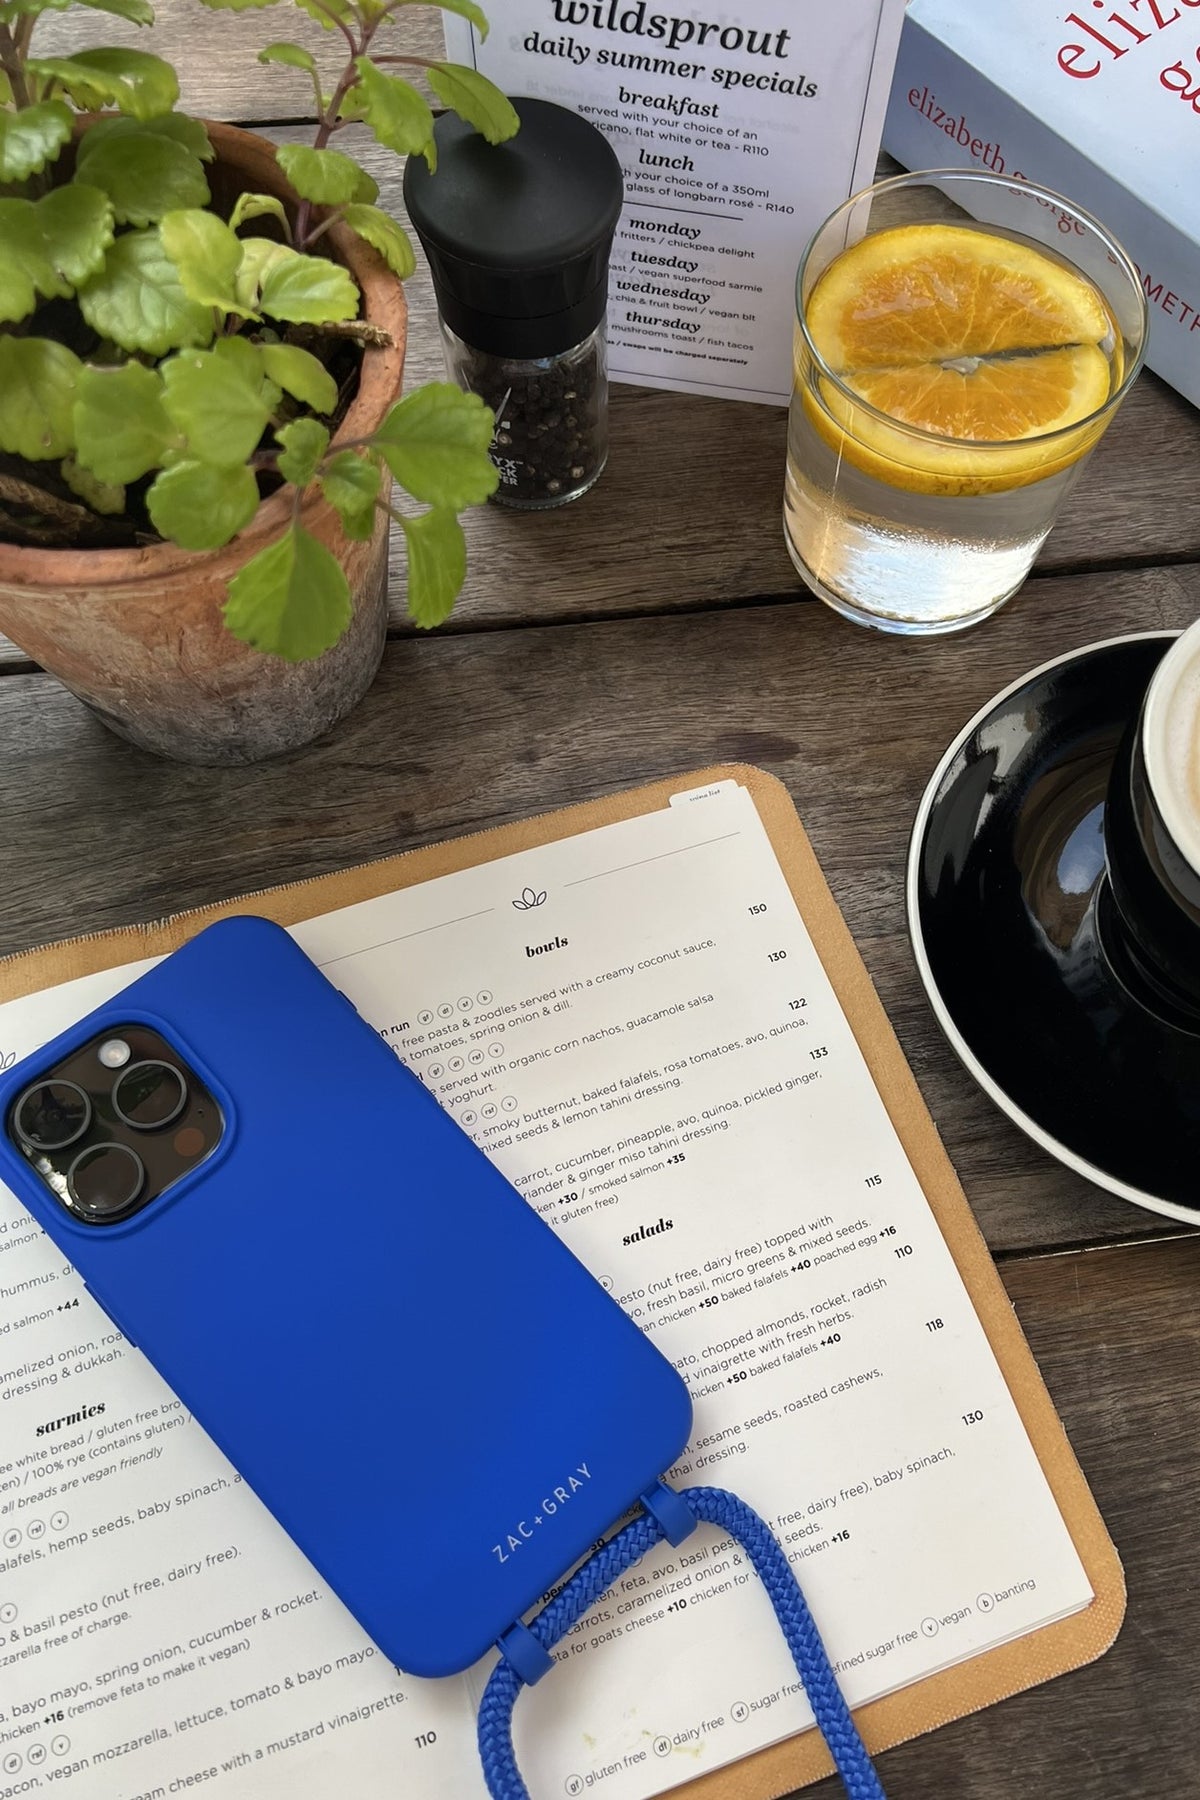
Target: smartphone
{"points": [[436, 1400]]}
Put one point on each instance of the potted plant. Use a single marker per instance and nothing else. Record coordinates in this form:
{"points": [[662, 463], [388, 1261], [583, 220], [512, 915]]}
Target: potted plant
{"points": [[201, 347]]}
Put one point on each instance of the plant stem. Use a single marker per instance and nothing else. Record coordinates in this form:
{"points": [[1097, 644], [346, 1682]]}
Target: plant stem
{"points": [[359, 331], [319, 231], [327, 124], [13, 65], [24, 33], [329, 119], [418, 62]]}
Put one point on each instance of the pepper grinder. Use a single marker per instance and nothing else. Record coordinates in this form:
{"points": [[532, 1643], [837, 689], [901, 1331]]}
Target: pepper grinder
{"points": [[518, 237]]}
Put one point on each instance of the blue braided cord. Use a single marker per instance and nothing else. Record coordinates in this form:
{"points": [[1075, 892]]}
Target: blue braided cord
{"points": [[715, 1507]]}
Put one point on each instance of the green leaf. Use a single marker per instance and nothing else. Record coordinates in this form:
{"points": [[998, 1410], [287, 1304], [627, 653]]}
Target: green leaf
{"points": [[32, 138], [325, 176], [217, 398], [435, 442], [206, 255], [300, 374], [200, 507], [143, 173], [308, 290], [136, 11], [437, 565], [188, 132], [121, 425], [18, 291], [102, 496], [350, 483], [131, 80], [292, 599], [466, 9], [353, 106], [259, 256], [14, 9], [25, 270], [327, 13], [383, 234], [476, 99], [304, 442], [77, 229], [48, 246], [37, 397], [138, 302], [397, 114], [258, 206], [294, 55]]}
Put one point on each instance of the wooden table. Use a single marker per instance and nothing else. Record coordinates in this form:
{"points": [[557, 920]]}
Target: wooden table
{"points": [[655, 627]]}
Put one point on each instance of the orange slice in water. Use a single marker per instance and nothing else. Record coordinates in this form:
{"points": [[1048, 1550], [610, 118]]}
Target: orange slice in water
{"points": [[979, 339]]}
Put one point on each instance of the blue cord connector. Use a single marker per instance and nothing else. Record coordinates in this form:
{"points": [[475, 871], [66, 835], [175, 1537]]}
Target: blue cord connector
{"points": [[665, 1518]]}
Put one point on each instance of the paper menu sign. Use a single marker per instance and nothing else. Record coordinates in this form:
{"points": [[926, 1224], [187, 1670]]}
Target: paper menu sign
{"points": [[738, 132], [634, 1024]]}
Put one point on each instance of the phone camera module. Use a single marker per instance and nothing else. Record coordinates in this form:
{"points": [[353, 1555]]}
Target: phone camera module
{"points": [[104, 1181], [52, 1115], [149, 1095], [116, 1124]]}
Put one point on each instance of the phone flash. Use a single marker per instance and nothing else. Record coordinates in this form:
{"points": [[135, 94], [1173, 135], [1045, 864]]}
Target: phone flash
{"points": [[114, 1053]]}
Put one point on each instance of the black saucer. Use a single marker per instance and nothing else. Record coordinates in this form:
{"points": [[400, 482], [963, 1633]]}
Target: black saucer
{"points": [[1010, 922]]}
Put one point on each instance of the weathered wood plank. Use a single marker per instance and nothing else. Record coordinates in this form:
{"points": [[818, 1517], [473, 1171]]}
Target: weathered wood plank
{"points": [[1116, 1335], [215, 54], [465, 732]]}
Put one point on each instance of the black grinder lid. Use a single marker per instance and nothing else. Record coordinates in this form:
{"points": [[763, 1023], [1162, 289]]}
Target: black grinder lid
{"points": [[518, 234]]}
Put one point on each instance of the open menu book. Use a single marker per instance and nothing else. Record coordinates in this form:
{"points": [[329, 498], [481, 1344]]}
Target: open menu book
{"points": [[649, 1014]]}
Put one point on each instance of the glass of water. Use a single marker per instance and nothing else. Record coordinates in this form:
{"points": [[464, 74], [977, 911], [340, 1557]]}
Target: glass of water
{"points": [[962, 341]]}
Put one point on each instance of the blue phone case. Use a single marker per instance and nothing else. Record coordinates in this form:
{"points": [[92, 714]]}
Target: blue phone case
{"points": [[432, 1395]]}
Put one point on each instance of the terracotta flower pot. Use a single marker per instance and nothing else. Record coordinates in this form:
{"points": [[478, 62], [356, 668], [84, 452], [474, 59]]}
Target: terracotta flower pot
{"points": [[137, 633]]}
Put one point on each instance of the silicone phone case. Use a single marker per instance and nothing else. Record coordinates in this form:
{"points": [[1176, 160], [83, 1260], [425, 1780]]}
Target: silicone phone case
{"points": [[428, 1390]]}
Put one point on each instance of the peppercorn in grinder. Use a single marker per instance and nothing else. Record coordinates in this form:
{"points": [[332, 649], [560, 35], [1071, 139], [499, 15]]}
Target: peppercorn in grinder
{"points": [[518, 238]]}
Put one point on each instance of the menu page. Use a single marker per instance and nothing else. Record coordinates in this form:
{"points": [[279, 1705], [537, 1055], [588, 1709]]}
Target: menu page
{"points": [[633, 1023], [738, 132]]}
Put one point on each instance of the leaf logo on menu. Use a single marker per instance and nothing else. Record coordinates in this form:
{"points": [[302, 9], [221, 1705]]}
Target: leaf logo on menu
{"points": [[529, 898]]}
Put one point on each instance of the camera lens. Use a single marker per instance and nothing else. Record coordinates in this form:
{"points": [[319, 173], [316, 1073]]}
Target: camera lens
{"points": [[104, 1181], [52, 1115], [148, 1095]]}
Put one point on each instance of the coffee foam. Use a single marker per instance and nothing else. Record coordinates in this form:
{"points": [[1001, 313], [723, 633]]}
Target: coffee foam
{"points": [[1171, 742]]}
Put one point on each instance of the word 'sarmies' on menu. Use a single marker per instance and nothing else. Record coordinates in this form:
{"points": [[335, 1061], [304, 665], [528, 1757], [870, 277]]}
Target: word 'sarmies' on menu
{"points": [[635, 1025]]}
